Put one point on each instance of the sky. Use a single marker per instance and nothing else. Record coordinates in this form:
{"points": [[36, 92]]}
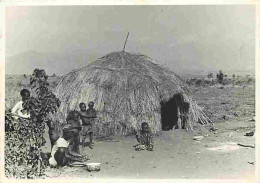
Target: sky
{"points": [[209, 37]]}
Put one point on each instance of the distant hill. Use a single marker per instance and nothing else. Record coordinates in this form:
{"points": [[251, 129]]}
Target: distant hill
{"points": [[64, 62], [58, 63], [202, 73]]}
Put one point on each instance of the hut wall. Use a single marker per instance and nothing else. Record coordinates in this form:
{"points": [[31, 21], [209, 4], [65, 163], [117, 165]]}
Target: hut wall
{"points": [[127, 89]]}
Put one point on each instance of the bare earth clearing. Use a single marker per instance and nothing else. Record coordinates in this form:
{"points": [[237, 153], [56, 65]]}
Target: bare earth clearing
{"points": [[176, 155]]}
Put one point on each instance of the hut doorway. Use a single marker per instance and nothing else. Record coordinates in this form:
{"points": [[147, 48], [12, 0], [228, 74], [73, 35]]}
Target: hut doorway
{"points": [[169, 114]]}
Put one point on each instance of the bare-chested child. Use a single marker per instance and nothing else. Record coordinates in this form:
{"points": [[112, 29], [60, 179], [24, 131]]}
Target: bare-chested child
{"points": [[73, 120], [87, 118], [145, 138]]}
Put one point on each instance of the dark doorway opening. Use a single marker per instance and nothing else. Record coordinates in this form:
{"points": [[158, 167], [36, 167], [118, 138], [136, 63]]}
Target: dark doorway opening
{"points": [[169, 117]]}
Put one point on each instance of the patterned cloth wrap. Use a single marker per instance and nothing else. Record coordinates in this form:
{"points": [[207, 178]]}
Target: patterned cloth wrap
{"points": [[145, 140]]}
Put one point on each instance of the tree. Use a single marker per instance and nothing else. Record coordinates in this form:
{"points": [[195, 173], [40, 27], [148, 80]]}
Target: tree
{"points": [[220, 76], [23, 156], [210, 75]]}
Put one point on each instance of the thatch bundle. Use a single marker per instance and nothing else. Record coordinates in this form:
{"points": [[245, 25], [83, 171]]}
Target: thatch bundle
{"points": [[127, 90]]}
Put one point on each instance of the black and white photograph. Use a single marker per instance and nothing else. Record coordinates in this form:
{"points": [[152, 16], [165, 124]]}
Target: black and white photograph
{"points": [[130, 92]]}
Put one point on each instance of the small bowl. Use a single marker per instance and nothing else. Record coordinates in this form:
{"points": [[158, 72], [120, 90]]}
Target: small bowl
{"points": [[93, 166], [198, 138]]}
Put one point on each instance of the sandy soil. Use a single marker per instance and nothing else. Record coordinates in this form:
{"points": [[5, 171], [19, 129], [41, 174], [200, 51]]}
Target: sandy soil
{"points": [[176, 155]]}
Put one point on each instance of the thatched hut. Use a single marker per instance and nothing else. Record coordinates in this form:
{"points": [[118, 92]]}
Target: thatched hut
{"points": [[127, 89]]}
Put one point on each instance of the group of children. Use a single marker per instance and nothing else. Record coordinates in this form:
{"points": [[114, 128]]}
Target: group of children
{"points": [[82, 122], [79, 123]]}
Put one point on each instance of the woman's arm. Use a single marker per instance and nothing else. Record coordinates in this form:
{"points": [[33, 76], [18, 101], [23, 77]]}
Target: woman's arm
{"points": [[67, 154], [70, 152]]}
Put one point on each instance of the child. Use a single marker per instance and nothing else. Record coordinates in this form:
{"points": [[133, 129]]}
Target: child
{"points": [[61, 152], [18, 110], [145, 138], [73, 120], [185, 115], [87, 118], [53, 135]]}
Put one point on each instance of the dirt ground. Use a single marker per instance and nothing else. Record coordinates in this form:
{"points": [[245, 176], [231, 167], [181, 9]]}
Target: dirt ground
{"points": [[176, 155]]}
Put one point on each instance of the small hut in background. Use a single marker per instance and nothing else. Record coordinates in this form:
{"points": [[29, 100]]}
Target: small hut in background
{"points": [[128, 89]]}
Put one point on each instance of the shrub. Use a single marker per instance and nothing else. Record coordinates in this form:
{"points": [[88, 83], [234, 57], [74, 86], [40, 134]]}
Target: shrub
{"points": [[199, 82], [23, 138], [220, 76], [210, 75]]}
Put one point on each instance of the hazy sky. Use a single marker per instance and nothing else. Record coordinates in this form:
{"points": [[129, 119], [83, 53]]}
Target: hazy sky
{"points": [[193, 37]]}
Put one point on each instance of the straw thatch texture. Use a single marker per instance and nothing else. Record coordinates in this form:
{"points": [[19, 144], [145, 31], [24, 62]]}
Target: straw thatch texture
{"points": [[127, 89]]}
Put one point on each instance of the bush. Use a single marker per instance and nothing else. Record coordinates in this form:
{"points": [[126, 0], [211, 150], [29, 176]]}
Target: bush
{"points": [[227, 81], [23, 138], [210, 75], [220, 76]]}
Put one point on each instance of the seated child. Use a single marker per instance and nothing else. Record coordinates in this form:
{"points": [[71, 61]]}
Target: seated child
{"points": [[145, 138], [73, 120], [61, 153]]}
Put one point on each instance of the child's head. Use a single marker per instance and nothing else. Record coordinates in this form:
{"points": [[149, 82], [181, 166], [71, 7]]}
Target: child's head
{"points": [[91, 105], [82, 106], [25, 94], [73, 115], [67, 132], [145, 127]]}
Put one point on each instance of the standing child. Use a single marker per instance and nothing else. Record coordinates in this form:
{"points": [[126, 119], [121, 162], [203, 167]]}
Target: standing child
{"points": [[73, 120], [145, 138], [53, 135], [185, 115], [87, 117]]}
